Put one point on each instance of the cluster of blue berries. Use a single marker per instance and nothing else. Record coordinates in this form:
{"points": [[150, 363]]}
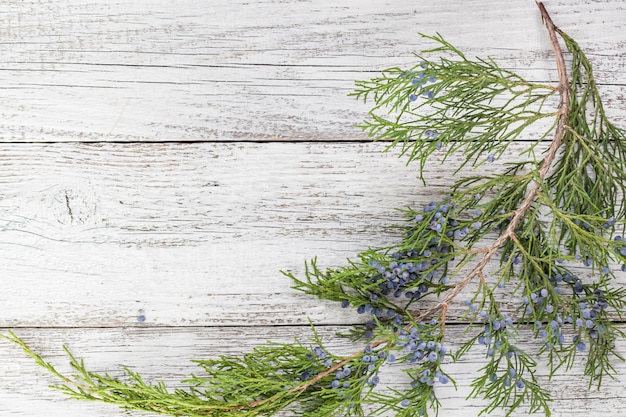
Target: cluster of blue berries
{"points": [[417, 348], [585, 317], [590, 312], [403, 276], [509, 377], [444, 222], [493, 324], [365, 367], [408, 275], [420, 350], [428, 377], [540, 301], [341, 378], [419, 82], [319, 358]]}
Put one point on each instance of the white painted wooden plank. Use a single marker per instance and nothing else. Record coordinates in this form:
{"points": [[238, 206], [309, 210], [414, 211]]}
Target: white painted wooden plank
{"points": [[233, 70], [164, 354], [194, 234]]}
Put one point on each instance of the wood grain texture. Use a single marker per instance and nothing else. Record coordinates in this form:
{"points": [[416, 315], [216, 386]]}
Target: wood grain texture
{"points": [[166, 159], [143, 350], [157, 70], [196, 234]]}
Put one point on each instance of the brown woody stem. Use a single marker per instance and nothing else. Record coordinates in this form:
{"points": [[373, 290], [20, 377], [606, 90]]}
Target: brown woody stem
{"points": [[509, 233], [561, 128]]}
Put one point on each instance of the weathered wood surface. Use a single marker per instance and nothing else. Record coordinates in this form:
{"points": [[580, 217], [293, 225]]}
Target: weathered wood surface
{"points": [[165, 354], [195, 235], [235, 156], [264, 70]]}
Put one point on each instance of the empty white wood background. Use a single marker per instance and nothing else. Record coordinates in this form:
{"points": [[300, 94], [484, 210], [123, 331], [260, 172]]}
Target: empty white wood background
{"points": [[165, 159]]}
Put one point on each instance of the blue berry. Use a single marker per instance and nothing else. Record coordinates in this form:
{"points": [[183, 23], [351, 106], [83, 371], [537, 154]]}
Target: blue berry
{"points": [[432, 357], [578, 287], [443, 379], [412, 97], [491, 158], [405, 403], [520, 384]]}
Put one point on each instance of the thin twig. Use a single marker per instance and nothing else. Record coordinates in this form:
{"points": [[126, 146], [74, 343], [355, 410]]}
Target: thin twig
{"points": [[509, 233]]}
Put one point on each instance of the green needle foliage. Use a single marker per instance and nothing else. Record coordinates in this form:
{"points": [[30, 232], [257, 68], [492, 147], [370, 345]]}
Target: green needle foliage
{"points": [[549, 228]]}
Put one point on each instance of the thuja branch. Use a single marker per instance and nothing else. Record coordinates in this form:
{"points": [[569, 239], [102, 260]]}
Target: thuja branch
{"points": [[544, 222], [528, 229]]}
